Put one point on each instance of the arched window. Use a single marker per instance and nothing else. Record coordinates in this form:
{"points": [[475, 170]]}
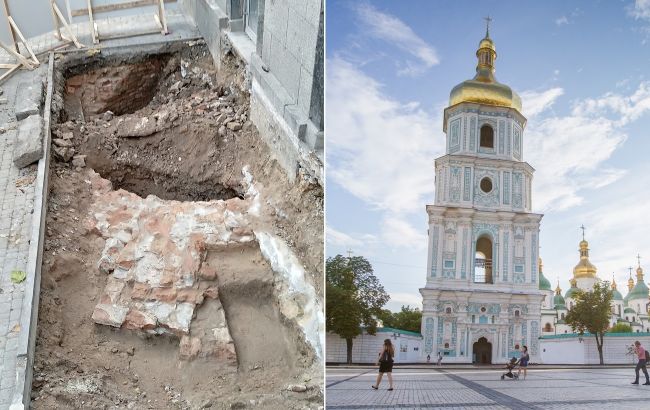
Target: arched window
{"points": [[487, 137], [483, 260], [548, 327], [565, 331], [473, 318], [627, 318], [637, 330], [446, 345], [448, 310], [562, 316], [492, 319], [516, 313]]}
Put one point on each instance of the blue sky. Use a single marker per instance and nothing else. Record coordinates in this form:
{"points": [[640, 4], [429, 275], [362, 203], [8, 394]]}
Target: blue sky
{"points": [[581, 69]]}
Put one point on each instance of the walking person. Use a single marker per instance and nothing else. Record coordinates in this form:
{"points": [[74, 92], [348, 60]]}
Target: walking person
{"points": [[439, 359], [385, 363], [428, 358], [523, 361], [642, 356]]}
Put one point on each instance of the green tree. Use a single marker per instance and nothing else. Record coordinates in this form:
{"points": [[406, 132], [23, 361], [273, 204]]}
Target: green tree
{"points": [[406, 319], [591, 313], [620, 328], [354, 298]]}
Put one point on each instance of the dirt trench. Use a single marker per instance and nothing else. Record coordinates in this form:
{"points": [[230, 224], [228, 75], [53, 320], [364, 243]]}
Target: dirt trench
{"points": [[185, 138]]}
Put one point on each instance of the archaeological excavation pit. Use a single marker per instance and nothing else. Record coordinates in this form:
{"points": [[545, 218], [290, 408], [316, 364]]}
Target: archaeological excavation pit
{"points": [[166, 279]]}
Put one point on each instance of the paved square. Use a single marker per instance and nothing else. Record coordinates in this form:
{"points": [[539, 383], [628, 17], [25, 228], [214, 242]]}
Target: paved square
{"points": [[472, 388]]}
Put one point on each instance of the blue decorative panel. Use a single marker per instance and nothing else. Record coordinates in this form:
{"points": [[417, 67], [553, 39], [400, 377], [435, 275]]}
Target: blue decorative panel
{"points": [[449, 264], [533, 256], [502, 126], [439, 341], [519, 268], [465, 133], [534, 337], [472, 134], [508, 139], [482, 320], [506, 249], [454, 339], [486, 199], [454, 190], [511, 332], [462, 342], [428, 335], [463, 270], [517, 143], [524, 334], [454, 139], [434, 251], [503, 344], [506, 187], [517, 190], [467, 183]]}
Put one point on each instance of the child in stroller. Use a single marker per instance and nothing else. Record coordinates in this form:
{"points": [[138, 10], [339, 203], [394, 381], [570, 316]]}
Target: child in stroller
{"points": [[511, 365]]}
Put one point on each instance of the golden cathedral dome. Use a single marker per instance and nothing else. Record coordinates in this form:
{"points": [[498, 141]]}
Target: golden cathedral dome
{"points": [[584, 268], [484, 87]]}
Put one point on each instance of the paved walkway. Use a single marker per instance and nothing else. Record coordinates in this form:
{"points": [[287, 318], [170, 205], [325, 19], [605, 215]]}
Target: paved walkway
{"points": [[22, 189], [483, 389]]}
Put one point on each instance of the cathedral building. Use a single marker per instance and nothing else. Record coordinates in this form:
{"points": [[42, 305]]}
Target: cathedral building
{"points": [[631, 309], [482, 301]]}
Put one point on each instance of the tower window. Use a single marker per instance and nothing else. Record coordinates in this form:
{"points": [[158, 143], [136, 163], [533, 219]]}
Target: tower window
{"points": [[446, 345], [486, 185], [448, 310], [516, 313], [487, 137], [548, 327]]}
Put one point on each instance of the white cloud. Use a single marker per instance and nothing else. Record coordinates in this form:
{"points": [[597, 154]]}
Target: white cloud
{"points": [[379, 149], [398, 233], [561, 20], [535, 102], [626, 108], [641, 10], [338, 238], [394, 31]]}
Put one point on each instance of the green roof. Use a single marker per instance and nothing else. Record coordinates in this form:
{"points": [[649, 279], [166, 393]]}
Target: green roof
{"points": [[558, 300], [569, 293], [639, 291], [617, 295], [629, 310], [400, 331], [544, 284]]}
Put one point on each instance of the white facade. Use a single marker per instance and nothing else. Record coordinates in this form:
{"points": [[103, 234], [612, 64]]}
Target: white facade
{"points": [[481, 301], [365, 347]]}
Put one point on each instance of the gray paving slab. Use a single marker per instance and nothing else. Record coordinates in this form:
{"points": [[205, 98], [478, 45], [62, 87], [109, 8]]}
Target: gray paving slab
{"points": [[29, 141], [483, 389], [29, 97]]}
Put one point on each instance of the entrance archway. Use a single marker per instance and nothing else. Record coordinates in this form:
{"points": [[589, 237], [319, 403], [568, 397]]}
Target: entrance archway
{"points": [[482, 351]]}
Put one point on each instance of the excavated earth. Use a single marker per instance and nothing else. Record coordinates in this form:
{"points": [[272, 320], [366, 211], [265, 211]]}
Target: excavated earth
{"points": [[156, 291]]}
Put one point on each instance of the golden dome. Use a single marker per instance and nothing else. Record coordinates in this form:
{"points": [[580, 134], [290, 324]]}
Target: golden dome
{"points": [[558, 291], [584, 268], [613, 283], [639, 273], [630, 282], [484, 88]]}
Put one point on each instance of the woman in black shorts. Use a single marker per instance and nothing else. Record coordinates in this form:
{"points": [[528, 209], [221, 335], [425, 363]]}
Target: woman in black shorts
{"points": [[385, 363]]}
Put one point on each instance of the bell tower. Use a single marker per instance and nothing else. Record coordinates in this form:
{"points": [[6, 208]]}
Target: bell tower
{"points": [[483, 275]]}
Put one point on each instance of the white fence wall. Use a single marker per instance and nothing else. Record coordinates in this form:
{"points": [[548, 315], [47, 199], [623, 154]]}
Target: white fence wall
{"points": [[365, 348], [570, 350]]}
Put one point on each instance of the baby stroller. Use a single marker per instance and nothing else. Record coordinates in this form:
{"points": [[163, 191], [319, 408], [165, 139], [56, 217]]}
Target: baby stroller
{"points": [[509, 374]]}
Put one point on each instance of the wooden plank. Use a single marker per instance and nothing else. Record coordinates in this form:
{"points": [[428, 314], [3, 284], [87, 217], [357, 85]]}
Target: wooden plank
{"points": [[93, 27], [163, 16], [119, 6], [124, 35], [10, 72], [4, 66], [56, 21], [11, 30], [20, 57], [71, 35], [24, 41]]}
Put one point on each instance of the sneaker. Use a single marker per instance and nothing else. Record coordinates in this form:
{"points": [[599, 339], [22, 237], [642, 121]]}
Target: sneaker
{"points": [[646, 384], [635, 382], [377, 388], [391, 389]]}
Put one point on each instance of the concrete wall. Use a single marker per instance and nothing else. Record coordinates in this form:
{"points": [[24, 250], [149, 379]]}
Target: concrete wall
{"points": [[286, 65], [569, 350], [366, 348]]}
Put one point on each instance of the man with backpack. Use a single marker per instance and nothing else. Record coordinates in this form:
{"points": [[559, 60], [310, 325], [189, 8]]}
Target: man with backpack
{"points": [[643, 357]]}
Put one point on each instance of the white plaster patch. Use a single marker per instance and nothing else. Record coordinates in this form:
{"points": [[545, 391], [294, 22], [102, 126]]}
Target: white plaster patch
{"points": [[297, 297]]}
